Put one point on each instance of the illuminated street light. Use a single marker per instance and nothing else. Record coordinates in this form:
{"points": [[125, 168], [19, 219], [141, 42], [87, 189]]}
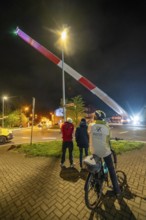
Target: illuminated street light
{"points": [[3, 109], [26, 109], [63, 37]]}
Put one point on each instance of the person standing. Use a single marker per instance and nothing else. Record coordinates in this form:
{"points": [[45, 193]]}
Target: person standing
{"points": [[82, 139], [67, 130], [99, 135]]}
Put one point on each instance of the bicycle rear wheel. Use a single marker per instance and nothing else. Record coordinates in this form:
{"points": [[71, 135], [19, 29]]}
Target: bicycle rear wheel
{"points": [[92, 192]]}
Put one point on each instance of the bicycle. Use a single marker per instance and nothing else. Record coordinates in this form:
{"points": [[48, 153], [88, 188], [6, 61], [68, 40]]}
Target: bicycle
{"points": [[97, 179]]}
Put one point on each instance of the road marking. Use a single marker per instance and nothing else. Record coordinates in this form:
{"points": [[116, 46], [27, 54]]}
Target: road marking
{"points": [[123, 132]]}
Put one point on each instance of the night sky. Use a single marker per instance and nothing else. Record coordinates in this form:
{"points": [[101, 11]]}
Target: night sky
{"points": [[106, 44]]}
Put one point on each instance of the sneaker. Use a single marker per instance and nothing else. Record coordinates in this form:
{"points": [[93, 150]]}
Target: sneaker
{"points": [[62, 165], [72, 165]]}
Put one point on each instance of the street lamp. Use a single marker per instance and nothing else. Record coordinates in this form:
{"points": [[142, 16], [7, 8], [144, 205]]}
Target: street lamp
{"points": [[3, 109], [63, 37], [26, 109]]}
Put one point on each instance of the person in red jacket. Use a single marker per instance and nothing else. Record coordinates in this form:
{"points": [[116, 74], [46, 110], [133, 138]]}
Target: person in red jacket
{"points": [[67, 130]]}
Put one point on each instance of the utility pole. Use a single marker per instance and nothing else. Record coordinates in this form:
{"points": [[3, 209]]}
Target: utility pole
{"points": [[32, 123]]}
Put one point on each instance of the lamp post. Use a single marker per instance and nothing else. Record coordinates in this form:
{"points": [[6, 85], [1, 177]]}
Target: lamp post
{"points": [[3, 109], [32, 122], [63, 37]]}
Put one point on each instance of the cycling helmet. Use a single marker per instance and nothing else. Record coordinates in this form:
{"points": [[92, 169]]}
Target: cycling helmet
{"points": [[99, 115], [69, 120]]}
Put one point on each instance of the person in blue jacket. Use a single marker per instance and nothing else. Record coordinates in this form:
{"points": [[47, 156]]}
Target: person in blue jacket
{"points": [[82, 139]]}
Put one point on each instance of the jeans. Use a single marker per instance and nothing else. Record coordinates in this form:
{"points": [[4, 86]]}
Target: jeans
{"points": [[109, 162], [65, 145], [81, 154]]}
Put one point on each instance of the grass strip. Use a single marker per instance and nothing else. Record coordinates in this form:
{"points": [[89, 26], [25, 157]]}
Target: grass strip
{"points": [[54, 148]]}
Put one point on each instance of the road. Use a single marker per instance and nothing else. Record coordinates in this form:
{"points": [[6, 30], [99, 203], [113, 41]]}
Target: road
{"points": [[23, 135], [127, 132]]}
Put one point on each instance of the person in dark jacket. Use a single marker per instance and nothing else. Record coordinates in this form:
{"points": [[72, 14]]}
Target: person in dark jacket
{"points": [[82, 139]]}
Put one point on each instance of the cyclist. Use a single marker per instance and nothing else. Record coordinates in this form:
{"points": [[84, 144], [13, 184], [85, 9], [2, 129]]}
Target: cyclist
{"points": [[99, 133]]}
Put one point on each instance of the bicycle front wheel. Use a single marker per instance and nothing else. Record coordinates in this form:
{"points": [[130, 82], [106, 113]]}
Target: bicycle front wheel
{"points": [[92, 192]]}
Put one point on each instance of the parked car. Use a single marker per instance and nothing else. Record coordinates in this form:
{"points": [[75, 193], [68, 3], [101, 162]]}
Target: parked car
{"points": [[5, 135]]}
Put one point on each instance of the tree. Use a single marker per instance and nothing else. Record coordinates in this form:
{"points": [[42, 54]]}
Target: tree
{"points": [[77, 109], [15, 119]]}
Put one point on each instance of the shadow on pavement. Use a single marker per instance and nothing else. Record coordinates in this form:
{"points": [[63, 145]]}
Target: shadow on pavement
{"points": [[83, 174], [13, 146], [28, 191], [72, 174], [116, 207], [69, 174]]}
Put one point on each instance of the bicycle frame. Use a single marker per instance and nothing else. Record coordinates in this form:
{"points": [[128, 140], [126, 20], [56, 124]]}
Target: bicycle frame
{"points": [[96, 179], [94, 185]]}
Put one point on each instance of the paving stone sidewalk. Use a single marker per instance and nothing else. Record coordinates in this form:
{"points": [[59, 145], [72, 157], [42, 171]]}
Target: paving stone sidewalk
{"points": [[33, 188]]}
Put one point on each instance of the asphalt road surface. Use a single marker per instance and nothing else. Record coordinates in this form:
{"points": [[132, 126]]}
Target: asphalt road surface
{"points": [[126, 132], [129, 132], [23, 135]]}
